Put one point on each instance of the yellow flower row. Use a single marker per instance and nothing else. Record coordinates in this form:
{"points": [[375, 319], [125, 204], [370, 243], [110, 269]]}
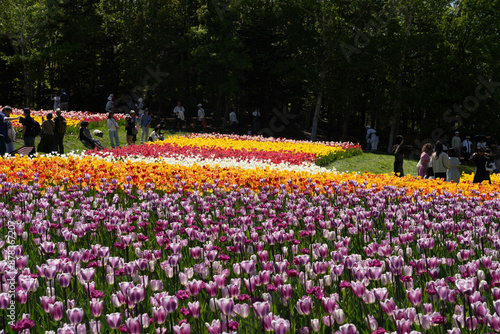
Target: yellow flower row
{"points": [[298, 147], [92, 171]]}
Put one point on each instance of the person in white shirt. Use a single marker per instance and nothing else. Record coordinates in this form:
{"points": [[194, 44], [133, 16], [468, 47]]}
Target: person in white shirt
{"points": [[440, 162], [201, 118], [57, 101], [233, 120], [456, 142], [467, 148], [178, 117], [113, 130]]}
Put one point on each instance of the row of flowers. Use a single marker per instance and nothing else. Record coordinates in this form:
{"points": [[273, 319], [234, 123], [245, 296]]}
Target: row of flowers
{"points": [[88, 170], [298, 257], [73, 118], [239, 148]]}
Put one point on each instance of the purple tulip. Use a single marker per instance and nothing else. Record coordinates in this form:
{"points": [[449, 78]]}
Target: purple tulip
{"points": [[261, 309], [226, 305], [96, 307], [75, 315], [215, 327], [159, 315], [328, 304], [57, 310], [114, 320], [184, 328], [170, 303], [304, 305], [414, 296], [194, 309], [133, 325]]}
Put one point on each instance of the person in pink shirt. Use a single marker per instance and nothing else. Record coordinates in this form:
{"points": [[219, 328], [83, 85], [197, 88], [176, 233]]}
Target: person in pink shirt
{"points": [[425, 157]]}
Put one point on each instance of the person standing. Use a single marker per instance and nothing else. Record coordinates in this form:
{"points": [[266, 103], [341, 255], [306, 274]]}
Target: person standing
{"points": [[398, 153], [140, 106], [113, 130], [440, 162], [201, 118], [130, 127], [425, 158], [47, 142], [456, 143], [374, 140], [64, 100], [11, 133], [480, 160], [145, 121], [233, 121], [179, 113], [28, 135], [453, 173], [57, 101], [467, 148], [256, 121], [110, 105], [60, 131], [369, 133]]}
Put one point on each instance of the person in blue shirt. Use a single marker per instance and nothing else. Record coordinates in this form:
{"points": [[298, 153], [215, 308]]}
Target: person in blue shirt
{"points": [[145, 124]]}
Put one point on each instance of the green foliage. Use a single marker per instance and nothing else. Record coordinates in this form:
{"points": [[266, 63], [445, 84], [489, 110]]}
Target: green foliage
{"points": [[423, 57], [328, 159]]}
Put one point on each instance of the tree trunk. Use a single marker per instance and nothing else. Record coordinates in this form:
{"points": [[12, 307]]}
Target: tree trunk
{"points": [[345, 122], [396, 106], [314, 129]]}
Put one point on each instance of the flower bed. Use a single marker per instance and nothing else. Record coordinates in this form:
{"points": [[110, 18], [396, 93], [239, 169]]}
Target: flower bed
{"points": [[73, 118], [296, 257], [241, 149]]}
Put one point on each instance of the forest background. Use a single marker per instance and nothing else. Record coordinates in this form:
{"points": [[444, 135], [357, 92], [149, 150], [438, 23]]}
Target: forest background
{"points": [[316, 69]]}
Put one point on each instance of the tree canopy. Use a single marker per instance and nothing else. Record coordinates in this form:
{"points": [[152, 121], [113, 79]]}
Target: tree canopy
{"points": [[314, 68]]}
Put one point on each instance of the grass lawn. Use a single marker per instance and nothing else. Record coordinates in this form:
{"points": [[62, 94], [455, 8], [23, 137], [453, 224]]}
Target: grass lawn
{"points": [[381, 163], [72, 143]]}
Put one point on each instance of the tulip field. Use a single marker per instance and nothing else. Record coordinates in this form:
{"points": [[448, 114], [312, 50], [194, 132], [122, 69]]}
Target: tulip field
{"points": [[216, 234]]}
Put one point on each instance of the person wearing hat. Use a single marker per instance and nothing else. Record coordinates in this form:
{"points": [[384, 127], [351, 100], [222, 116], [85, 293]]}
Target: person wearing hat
{"points": [[201, 118], [456, 143], [467, 148]]}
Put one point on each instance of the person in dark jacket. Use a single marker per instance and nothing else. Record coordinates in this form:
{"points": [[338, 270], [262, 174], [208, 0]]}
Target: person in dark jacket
{"points": [[480, 160], [398, 152]]}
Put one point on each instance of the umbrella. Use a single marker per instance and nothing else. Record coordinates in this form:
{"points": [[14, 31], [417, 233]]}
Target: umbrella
{"points": [[479, 137]]}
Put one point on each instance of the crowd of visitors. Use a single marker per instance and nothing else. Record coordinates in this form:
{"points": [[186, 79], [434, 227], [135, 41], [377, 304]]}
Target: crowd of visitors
{"points": [[443, 162]]}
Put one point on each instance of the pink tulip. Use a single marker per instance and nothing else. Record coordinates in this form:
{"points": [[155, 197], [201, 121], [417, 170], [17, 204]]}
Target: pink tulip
{"points": [[215, 327], [225, 305], [133, 325], [194, 309], [414, 296], [159, 315], [96, 307]]}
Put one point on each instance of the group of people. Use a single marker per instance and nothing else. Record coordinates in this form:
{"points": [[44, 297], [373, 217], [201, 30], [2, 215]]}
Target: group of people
{"points": [[52, 131], [60, 100], [443, 162]]}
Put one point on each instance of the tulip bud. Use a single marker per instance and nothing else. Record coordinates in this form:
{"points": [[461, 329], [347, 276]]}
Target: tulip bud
{"points": [[409, 252], [212, 305], [284, 250], [151, 266], [315, 325], [480, 275], [25, 235], [110, 279]]}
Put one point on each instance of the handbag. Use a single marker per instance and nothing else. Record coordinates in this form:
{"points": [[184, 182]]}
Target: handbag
{"points": [[419, 164], [134, 130]]}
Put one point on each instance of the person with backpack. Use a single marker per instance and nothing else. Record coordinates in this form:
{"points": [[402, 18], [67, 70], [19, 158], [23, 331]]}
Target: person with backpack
{"points": [[48, 141], [31, 129], [60, 131]]}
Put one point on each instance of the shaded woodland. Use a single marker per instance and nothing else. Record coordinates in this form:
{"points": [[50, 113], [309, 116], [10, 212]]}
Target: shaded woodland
{"points": [[316, 69]]}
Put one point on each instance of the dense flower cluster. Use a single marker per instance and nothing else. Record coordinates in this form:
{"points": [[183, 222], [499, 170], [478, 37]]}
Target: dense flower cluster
{"points": [[73, 118], [141, 241], [240, 149], [292, 258]]}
